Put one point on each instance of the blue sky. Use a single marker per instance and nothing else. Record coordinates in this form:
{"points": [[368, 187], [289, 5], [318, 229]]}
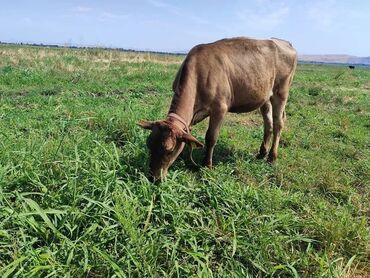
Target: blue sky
{"points": [[314, 27]]}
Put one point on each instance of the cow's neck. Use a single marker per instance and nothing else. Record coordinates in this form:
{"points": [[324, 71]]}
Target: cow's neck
{"points": [[183, 105]]}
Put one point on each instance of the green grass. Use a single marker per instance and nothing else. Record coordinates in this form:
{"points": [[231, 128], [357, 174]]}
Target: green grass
{"points": [[75, 200]]}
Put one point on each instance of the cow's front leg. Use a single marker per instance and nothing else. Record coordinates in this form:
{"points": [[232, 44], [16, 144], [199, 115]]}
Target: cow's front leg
{"points": [[215, 121]]}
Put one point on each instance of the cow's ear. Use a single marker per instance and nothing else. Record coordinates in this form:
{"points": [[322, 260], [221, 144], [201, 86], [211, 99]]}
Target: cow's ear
{"points": [[191, 140], [146, 124]]}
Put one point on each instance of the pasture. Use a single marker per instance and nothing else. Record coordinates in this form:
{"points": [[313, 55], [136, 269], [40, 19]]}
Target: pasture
{"points": [[75, 200]]}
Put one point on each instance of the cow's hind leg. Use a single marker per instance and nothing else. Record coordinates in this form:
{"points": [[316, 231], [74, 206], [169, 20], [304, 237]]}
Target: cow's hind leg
{"points": [[266, 111], [215, 122], [278, 102]]}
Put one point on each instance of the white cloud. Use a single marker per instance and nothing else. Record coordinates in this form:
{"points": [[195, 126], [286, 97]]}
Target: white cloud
{"points": [[81, 9], [323, 14], [263, 14], [109, 15], [27, 21], [176, 11], [165, 6], [158, 3]]}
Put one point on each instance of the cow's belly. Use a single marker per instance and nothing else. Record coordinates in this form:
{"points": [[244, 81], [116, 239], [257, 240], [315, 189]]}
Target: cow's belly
{"points": [[245, 108], [251, 92], [248, 102]]}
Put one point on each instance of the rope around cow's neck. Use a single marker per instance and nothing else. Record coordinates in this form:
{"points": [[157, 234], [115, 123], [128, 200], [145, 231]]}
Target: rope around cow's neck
{"points": [[191, 156], [181, 120]]}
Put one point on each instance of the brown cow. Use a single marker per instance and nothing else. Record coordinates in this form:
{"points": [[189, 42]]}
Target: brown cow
{"points": [[230, 75]]}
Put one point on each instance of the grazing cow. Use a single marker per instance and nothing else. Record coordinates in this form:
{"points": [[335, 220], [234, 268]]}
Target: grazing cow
{"points": [[351, 67], [231, 75]]}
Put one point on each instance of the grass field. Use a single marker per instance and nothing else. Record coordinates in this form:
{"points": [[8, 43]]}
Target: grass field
{"points": [[75, 200]]}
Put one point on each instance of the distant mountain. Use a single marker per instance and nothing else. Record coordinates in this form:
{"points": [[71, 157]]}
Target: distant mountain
{"points": [[342, 59]]}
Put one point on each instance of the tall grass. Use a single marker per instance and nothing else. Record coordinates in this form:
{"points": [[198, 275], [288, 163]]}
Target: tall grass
{"points": [[75, 200]]}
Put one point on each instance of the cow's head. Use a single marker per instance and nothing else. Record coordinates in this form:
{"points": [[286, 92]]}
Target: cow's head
{"points": [[165, 143]]}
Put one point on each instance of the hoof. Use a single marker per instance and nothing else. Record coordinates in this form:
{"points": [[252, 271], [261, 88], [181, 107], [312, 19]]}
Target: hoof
{"points": [[260, 156], [207, 164], [271, 160]]}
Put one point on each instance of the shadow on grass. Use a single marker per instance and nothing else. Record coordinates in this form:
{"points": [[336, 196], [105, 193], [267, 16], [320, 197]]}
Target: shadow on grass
{"points": [[223, 153], [137, 162]]}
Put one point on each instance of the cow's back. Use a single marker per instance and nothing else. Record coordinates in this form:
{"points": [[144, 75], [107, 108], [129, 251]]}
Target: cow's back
{"points": [[237, 72], [255, 58]]}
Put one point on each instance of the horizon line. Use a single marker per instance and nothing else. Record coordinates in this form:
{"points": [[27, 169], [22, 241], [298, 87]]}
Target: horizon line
{"points": [[177, 52]]}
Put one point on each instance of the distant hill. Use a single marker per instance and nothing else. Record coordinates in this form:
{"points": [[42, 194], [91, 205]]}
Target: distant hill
{"points": [[341, 59]]}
